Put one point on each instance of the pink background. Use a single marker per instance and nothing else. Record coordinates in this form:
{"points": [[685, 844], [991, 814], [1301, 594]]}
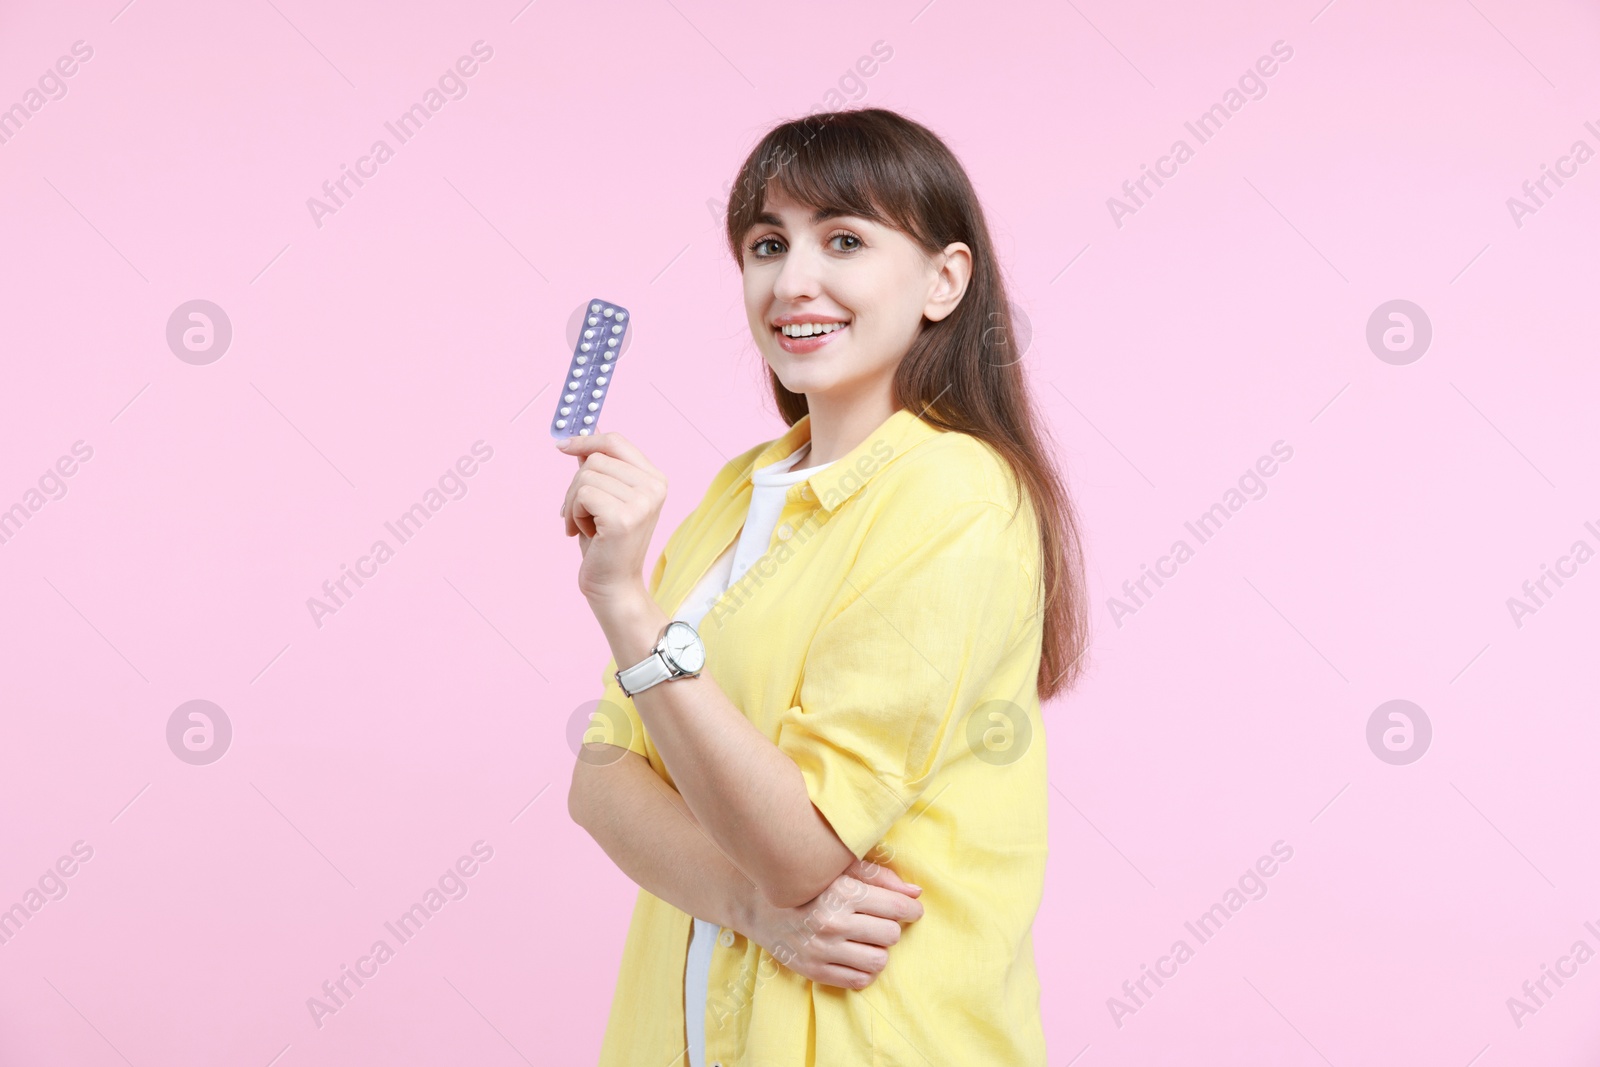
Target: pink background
{"points": [[430, 712]]}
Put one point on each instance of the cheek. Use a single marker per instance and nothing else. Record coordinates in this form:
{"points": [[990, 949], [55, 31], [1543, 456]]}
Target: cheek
{"points": [[898, 299], [888, 325], [755, 303]]}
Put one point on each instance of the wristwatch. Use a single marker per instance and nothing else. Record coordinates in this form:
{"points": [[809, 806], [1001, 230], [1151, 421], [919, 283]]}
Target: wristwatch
{"points": [[678, 653]]}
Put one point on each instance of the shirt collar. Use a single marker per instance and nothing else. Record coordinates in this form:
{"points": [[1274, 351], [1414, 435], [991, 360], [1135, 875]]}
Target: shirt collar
{"points": [[836, 483]]}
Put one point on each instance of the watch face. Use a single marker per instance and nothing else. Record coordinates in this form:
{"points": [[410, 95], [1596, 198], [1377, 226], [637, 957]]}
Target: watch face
{"points": [[683, 648]]}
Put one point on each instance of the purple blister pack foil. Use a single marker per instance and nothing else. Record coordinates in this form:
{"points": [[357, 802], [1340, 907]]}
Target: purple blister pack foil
{"points": [[594, 357]]}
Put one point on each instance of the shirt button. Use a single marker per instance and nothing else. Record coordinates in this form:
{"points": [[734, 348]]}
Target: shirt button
{"points": [[784, 532], [726, 937], [805, 492]]}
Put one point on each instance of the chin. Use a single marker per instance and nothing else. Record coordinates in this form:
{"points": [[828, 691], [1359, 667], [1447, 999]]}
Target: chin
{"points": [[803, 382], [792, 371], [816, 386]]}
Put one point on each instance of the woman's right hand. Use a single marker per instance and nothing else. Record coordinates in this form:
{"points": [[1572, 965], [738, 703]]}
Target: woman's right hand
{"points": [[841, 938]]}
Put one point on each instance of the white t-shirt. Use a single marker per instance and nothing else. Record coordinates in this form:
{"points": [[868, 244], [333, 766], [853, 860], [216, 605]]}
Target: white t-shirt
{"points": [[770, 487]]}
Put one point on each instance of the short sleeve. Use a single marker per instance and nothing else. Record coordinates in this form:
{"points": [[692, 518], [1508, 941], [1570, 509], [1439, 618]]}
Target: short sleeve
{"points": [[890, 680]]}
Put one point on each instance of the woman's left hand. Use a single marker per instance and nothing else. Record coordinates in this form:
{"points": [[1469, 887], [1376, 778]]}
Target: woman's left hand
{"points": [[612, 506]]}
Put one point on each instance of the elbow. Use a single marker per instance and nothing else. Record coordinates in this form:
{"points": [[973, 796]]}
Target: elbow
{"points": [[577, 796], [587, 799], [792, 877], [795, 888]]}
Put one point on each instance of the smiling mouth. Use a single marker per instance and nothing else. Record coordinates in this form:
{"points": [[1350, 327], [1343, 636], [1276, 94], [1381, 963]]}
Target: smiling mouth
{"points": [[810, 329]]}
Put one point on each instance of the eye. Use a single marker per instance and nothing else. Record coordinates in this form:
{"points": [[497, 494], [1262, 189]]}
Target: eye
{"points": [[843, 241]]}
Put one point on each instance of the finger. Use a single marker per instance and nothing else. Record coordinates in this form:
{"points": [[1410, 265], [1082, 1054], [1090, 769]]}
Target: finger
{"points": [[870, 930], [595, 511], [569, 512], [606, 484], [843, 977], [888, 904], [619, 469], [591, 509], [880, 875], [612, 444], [619, 489], [869, 959], [582, 525]]}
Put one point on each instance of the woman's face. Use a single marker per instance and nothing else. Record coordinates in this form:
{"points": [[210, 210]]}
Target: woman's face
{"points": [[863, 288]]}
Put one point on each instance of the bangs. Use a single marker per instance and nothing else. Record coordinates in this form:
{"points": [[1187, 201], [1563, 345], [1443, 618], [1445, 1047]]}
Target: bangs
{"points": [[829, 161]]}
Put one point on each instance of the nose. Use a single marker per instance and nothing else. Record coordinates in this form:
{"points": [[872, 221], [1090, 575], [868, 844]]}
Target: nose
{"points": [[800, 276]]}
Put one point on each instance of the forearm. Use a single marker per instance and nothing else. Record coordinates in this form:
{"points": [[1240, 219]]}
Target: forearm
{"points": [[744, 790], [643, 824]]}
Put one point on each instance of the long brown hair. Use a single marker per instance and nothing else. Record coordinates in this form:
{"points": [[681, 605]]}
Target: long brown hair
{"points": [[962, 373]]}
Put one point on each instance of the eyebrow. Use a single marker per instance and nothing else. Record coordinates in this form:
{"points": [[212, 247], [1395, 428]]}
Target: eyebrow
{"points": [[822, 214]]}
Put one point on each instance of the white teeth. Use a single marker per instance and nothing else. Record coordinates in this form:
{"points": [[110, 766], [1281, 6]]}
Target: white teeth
{"points": [[810, 329]]}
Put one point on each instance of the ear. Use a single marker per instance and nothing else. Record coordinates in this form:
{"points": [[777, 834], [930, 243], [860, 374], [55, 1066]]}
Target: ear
{"points": [[953, 270]]}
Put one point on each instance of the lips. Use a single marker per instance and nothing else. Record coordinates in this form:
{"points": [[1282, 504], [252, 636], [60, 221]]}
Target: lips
{"points": [[802, 345]]}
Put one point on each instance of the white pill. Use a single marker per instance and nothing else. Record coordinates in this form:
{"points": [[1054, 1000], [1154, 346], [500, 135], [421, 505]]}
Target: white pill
{"points": [[616, 329], [621, 315], [594, 407], [612, 341], [585, 347], [588, 419], [566, 410], [588, 333], [601, 380], [561, 424], [593, 321], [594, 307], [581, 360], [597, 393], [608, 312]]}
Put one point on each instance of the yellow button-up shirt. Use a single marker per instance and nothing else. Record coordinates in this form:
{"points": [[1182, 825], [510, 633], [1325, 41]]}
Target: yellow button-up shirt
{"points": [[888, 642]]}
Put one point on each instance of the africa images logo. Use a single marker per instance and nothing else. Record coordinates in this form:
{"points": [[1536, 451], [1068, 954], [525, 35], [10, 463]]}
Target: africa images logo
{"points": [[452, 85]]}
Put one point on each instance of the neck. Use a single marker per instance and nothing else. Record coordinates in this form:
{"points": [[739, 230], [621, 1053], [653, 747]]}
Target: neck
{"points": [[837, 426]]}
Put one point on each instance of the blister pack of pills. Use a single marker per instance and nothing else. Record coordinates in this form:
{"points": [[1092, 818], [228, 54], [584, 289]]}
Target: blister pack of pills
{"points": [[594, 359]]}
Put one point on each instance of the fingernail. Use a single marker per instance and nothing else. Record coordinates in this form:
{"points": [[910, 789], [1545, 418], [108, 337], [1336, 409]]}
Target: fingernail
{"points": [[918, 888]]}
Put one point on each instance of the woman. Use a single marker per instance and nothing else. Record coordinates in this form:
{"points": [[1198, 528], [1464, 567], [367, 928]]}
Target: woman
{"points": [[867, 613]]}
